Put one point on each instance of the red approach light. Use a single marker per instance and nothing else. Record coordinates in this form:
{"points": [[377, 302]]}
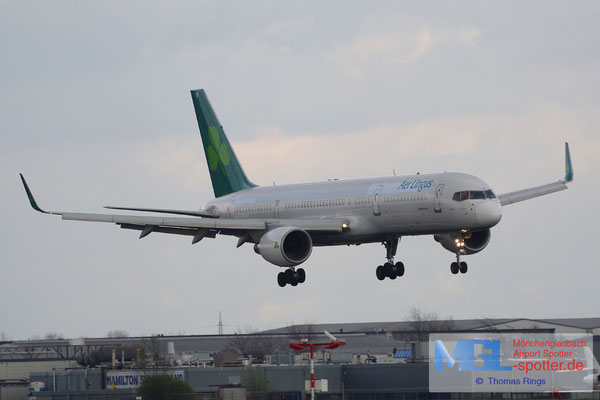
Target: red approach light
{"points": [[326, 345], [335, 345], [298, 346], [311, 346]]}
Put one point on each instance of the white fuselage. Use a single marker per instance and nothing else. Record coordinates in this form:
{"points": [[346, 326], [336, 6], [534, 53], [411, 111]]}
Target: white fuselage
{"points": [[376, 208]]}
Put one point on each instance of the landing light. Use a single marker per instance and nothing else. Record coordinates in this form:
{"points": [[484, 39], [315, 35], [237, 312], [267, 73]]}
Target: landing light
{"points": [[345, 226]]}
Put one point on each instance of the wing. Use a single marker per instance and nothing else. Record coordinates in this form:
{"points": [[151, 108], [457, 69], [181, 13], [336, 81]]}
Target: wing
{"points": [[197, 226], [530, 193], [205, 214]]}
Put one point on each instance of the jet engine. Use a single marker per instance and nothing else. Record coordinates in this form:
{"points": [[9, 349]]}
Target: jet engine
{"points": [[286, 246], [471, 243]]}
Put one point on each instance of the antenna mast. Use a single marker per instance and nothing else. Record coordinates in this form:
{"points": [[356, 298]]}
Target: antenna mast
{"points": [[220, 324]]}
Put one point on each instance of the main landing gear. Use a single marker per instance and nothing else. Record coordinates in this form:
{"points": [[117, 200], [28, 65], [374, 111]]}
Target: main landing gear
{"points": [[291, 276], [458, 265], [389, 269]]}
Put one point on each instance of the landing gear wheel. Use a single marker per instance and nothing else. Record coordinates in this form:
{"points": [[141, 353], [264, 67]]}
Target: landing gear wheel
{"points": [[380, 273], [454, 268], [388, 268], [281, 280], [289, 276], [463, 267], [392, 272], [399, 268], [294, 282], [301, 275]]}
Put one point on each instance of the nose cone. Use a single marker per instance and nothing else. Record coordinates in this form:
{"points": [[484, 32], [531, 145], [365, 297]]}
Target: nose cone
{"points": [[591, 379], [488, 213]]}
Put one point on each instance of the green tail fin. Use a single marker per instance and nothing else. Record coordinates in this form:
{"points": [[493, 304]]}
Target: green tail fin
{"points": [[226, 172]]}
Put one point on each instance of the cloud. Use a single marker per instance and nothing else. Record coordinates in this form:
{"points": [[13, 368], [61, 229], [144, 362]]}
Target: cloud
{"points": [[273, 42], [278, 311], [471, 143], [179, 156], [317, 156], [468, 35], [375, 49]]}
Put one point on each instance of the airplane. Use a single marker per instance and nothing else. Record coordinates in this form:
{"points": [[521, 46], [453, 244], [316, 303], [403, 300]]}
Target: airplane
{"points": [[593, 377], [285, 222]]}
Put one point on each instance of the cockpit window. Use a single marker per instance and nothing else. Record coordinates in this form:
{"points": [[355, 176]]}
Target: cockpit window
{"points": [[474, 195], [489, 194], [460, 196]]}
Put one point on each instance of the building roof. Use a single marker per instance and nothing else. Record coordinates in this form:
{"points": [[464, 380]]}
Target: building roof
{"points": [[361, 338], [461, 324]]}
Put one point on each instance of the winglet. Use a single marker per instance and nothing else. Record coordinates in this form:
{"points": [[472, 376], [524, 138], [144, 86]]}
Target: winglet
{"points": [[568, 165], [32, 199]]}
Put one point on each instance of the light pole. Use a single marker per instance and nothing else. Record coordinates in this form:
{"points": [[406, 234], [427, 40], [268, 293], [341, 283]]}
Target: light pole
{"points": [[305, 345]]}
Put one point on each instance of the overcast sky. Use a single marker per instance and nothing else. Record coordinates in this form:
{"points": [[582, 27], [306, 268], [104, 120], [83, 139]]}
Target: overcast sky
{"points": [[95, 110]]}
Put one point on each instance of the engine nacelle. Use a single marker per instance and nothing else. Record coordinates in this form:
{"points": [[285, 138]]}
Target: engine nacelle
{"points": [[474, 243], [286, 246]]}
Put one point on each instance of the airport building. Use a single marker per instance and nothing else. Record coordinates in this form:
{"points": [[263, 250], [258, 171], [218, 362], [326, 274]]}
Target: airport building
{"points": [[387, 360]]}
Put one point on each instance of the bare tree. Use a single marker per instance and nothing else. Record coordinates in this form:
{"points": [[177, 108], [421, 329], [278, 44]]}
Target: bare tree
{"points": [[421, 324], [117, 333], [489, 323], [306, 331], [53, 336], [152, 347], [252, 343], [4, 337]]}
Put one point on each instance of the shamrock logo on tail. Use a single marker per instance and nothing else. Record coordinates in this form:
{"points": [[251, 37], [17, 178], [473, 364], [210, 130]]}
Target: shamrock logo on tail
{"points": [[217, 151]]}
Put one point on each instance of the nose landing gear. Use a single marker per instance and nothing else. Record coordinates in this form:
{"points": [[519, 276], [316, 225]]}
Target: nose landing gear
{"points": [[459, 266], [291, 276]]}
